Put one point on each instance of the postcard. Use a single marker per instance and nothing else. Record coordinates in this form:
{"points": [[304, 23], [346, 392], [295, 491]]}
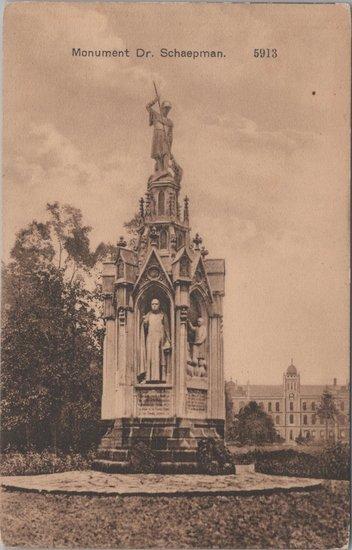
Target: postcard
{"points": [[175, 276]]}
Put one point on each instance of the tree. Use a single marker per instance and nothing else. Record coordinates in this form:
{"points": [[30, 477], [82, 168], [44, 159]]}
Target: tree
{"points": [[252, 425], [52, 333], [327, 411]]}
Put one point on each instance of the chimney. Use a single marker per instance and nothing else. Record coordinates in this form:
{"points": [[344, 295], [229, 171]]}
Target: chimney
{"points": [[335, 381]]}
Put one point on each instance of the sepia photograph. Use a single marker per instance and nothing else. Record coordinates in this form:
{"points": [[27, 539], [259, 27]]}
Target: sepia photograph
{"points": [[175, 275]]}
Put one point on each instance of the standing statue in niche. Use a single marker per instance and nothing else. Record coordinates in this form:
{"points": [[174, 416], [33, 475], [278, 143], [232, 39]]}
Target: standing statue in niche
{"points": [[196, 360], [154, 345]]}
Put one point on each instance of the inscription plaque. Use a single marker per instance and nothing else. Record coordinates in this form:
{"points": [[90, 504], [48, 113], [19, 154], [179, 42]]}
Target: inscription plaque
{"points": [[196, 400], [153, 401]]}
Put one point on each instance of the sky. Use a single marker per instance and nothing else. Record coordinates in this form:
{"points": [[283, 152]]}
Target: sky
{"points": [[264, 145]]}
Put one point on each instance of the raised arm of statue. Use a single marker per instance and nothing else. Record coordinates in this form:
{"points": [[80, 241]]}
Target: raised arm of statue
{"points": [[151, 103]]}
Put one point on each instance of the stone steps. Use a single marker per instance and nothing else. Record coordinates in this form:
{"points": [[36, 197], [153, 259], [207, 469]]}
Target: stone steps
{"points": [[110, 466]]}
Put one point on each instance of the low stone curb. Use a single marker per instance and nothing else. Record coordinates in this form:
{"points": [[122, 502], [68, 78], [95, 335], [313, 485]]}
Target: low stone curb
{"points": [[89, 483]]}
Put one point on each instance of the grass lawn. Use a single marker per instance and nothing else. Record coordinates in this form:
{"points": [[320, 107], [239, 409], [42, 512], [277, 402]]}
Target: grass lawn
{"points": [[317, 519]]}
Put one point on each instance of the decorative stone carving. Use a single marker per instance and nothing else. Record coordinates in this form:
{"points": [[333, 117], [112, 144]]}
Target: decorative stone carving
{"points": [[121, 242], [184, 267], [120, 269], [196, 348], [154, 236]]}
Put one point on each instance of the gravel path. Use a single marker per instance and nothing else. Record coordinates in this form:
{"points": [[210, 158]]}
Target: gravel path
{"points": [[98, 483]]}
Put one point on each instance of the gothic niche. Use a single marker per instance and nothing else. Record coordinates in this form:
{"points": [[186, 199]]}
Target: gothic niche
{"points": [[197, 337], [120, 269], [180, 241], [163, 239], [184, 267], [161, 203], [154, 337]]}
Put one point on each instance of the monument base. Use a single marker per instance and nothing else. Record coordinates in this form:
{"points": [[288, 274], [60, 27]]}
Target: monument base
{"points": [[174, 442]]}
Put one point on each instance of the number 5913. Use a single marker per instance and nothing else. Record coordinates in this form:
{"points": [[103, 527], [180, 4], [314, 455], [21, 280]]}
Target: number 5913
{"points": [[265, 52]]}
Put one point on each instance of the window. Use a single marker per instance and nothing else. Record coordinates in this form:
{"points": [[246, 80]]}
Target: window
{"points": [[314, 418], [313, 405], [269, 406], [291, 418], [331, 433], [304, 405], [322, 434], [261, 405], [277, 420], [161, 202], [321, 420], [342, 406], [305, 419], [313, 434], [291, 406], [291, 434], [277, 406]]}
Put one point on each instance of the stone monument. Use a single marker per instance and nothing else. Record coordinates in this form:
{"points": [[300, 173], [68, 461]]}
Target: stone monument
{"points": [[163, 380]]}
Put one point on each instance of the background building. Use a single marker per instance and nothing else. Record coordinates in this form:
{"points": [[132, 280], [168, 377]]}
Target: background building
{"points": [[293, 406]]}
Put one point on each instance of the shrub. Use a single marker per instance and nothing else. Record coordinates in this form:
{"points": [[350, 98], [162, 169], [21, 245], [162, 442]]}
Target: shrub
{"points": [[32, 462], [141, 458], [214, 458], [332, 462], [335, 461]]}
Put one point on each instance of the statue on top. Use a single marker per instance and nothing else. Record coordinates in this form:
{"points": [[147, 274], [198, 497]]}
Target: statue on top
{"points": [[162, 136]]}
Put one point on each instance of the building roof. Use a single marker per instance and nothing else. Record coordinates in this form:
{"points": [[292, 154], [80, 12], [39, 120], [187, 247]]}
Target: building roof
{"points": [[261, 390], [255, 390], [313, 389]]}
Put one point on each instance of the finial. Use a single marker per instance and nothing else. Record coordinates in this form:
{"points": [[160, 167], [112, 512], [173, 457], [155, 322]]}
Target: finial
{"points": [[141, 207], [197, 241], [121, 242], [186, 210], [153, 236], [204, 251]]}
